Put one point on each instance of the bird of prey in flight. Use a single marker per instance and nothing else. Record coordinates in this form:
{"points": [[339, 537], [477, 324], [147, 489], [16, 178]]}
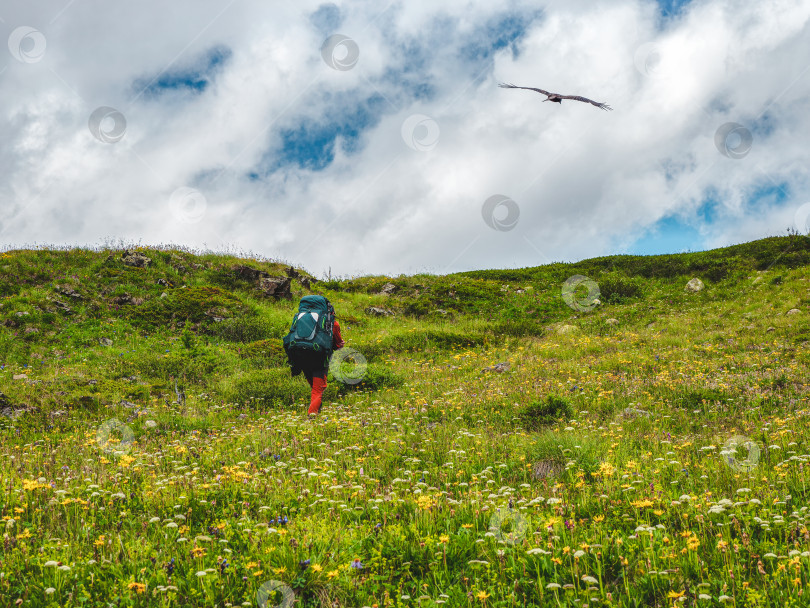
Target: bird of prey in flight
{"points": [[556, 97]]}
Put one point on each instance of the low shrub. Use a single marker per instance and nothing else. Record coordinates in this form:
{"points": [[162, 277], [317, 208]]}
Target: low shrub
{"points": [[545, 412]]}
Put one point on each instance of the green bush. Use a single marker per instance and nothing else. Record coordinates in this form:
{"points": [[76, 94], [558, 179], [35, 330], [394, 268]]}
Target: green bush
{"points": [[270, 352], [417, 341], [265, 387], [526, 326], [244, 329], [616, 289], [197, 368], [545, 412], [375, 378], [557, 450], [193, 304], [699, 398]]}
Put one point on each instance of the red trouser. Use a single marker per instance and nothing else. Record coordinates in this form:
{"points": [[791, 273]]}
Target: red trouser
{"points": [[317, 383]]}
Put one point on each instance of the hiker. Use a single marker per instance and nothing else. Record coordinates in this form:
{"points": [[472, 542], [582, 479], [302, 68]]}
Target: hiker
{"points": [[314, 335]]}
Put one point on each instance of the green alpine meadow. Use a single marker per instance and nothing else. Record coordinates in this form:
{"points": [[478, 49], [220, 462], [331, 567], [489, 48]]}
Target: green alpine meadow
{"points": [[624, 431]]}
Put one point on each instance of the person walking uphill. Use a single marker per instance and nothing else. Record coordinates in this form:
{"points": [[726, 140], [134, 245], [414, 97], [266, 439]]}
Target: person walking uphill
{"points": [[314, 335]]}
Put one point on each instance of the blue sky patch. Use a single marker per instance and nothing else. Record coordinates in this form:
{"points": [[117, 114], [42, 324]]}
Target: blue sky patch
{"points": [[193, 78], [678, 232], [671, 8], [667, 235], [768, 197], [311, 143], [499, 33], [326, 19]]}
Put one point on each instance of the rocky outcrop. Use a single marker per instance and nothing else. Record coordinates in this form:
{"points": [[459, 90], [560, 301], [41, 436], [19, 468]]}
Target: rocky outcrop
{"points": [[694, 285], [9, 410], [136, 259], [246, 273], [376, 311], [127, 300], [276, 287], [70, 292]]}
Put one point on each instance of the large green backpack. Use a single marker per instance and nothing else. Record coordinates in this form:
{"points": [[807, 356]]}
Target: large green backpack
{"points": [[311, 329]]}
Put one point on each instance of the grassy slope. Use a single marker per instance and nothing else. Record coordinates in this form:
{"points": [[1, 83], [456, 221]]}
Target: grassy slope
{"points": [[413, 461]]}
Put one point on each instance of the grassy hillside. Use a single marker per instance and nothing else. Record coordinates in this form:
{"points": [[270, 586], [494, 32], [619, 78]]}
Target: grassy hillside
{"points": [[156, 450]]}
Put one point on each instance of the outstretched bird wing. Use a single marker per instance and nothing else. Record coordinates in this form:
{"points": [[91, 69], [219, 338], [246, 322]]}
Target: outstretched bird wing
{"points": [[598, 104], [512, 86]]}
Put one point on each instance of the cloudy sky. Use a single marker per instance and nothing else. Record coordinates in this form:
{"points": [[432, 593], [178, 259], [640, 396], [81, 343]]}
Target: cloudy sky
{"points": [[373, 138]]}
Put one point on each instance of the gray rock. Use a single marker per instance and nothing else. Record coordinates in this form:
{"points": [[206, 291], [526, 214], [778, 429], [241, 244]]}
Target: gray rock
{"points": [[105, 342], [249, 274], [21, 314], [127, 300], [567, 329], [164, 295], [70, 292], [793, 311], [770, 329], [375, 311], [30, 330], [11, 411], [611, 322], [694, 285], [388, 289], [276, 287], [633, 412], [19, 376], [547, 468], [61, 305], [498, 367], [136, 259]]}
